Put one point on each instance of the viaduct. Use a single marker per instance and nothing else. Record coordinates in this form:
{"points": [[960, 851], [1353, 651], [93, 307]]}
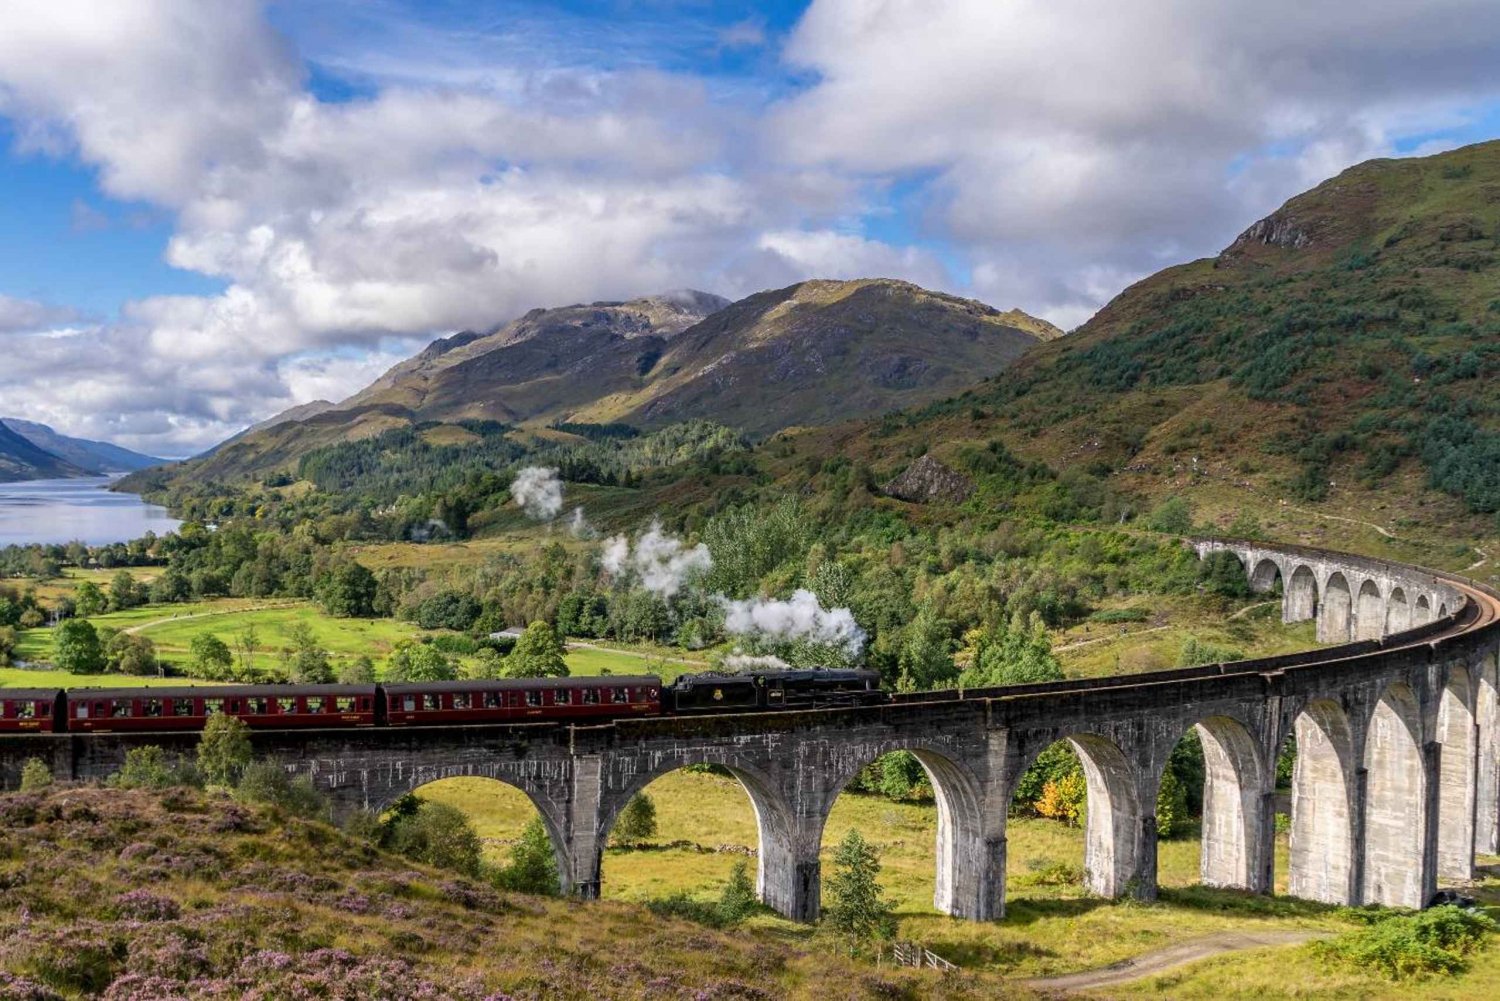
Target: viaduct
{"points": [[1396, 784]]}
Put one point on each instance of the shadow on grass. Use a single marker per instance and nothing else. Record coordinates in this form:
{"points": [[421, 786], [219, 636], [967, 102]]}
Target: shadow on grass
{"points": [[1242, 902], [1026, 910]]}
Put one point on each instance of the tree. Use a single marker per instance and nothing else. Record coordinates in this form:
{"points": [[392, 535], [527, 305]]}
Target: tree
{"points": [[89, 599], [307, 662], [1174, 516], [224, 749], [128, 653], [412, 661], [247, 641], [1171, 805], [35, 775], [437, 834], [359, 671], [7, 644], [538, 654], [637, 821], [146, 767], [533, 865], [123, 592], [76, 648], [210, 657], [925, 659], [348, 590], [1064, 798], [738, 899], [487, 665], [857, 907], [1011, 657]]}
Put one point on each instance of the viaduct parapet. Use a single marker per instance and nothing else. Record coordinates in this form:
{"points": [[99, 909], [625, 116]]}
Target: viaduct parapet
{"points": [[1396, 783]]}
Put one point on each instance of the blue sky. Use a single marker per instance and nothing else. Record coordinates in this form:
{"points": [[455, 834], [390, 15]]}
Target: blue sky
{"points": [[210, 212]]}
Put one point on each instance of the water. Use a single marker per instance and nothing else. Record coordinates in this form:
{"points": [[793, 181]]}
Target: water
{"points": [[58, 511]]}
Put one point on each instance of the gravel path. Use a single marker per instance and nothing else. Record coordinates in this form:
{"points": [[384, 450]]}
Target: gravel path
{"points": [[1171, 957]]}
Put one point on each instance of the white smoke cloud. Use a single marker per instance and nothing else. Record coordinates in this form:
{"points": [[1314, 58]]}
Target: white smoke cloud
{"points": [[539, 492], [578, 525], [801, 617], [746, 662], [663, 562]]}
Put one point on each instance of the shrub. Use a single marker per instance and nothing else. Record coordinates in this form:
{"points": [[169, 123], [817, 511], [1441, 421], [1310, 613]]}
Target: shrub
{"points": [[437, 834], [737, 901], [76, 647], [637, 821], [35, 775], [1412, 946], [224, 749], [268, 782], [533, 866], [1064, 798], [148, 767], [1174, 516]]}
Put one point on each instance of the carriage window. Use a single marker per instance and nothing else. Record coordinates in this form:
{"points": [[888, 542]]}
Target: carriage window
{"points": [[182, 707], [432, 702], [562, 697], [121, 709], [315, 703], [81, 710], [492, 700], [256, 705], [44, 709], [591, 696], [408, 703], [25, 710], [344, 703], [153, 707], [212, 707], [619, 695], [286, 704], [533, 698], [234, 706], [460, 700]]}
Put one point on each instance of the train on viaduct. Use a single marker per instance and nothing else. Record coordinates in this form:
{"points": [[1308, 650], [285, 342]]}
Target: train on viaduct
{"points": [[1396, 784]]}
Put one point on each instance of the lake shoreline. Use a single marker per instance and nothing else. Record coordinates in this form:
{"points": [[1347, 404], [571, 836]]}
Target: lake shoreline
{"points": [[81, 509]]}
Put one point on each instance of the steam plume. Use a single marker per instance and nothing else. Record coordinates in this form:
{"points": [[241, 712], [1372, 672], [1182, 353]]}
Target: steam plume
{"points": [[801, 618], [660, 559], [538, 491]]}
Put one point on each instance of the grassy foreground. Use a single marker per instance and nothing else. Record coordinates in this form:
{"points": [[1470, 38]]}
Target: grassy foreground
{"points": [[706, 824], [136, 896]]}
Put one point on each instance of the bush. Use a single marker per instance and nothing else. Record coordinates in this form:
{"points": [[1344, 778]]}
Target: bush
{"points": [[533, 866], [1174, 516], [268, 782], [35, 775], [148, 767], [436, 834], [224, 749], [738, 900], [1064, 798], [637, 821], [1412, 946]]}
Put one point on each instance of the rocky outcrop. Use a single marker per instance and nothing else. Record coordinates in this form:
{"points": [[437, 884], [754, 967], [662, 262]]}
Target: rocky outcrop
{"points": [[928, 480]]}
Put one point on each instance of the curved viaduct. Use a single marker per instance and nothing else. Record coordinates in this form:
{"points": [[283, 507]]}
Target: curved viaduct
{"points": [[1395, 788]]}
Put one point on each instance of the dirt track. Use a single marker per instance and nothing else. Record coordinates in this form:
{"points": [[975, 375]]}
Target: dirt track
{"points": [[1169, 958]]}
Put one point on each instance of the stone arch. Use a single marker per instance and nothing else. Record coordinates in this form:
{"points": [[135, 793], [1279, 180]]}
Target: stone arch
{"points": [[1235, 838], [1112, 856], [1322, 839], [969, 881], [1397, 611], [1265, 575], [1301, 601], [555, 823], [1369, 612], [782, 877], [1456, 778], [1422, 611], [1337, 613], [1395, 803]]}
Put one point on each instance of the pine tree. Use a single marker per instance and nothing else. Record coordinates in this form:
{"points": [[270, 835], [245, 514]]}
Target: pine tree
{"points": [[738, 898], [224, 749], [856, 906]]}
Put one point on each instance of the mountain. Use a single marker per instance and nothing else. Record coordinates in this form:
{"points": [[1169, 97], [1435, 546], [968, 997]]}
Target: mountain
{"points": [[22, 460], [813, 353], [1344, 351], [96, 457]]}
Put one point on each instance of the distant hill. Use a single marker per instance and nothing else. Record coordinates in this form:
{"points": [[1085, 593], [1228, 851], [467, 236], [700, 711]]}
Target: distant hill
{"points": [[22, 460], [1345, 349], [97, 457], [813, 353]]}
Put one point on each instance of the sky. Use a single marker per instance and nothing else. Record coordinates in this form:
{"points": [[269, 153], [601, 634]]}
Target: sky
{"points": [[211, 210]]}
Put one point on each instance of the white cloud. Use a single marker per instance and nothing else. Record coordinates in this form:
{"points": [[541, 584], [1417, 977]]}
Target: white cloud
{"points": [[1062, 148]]}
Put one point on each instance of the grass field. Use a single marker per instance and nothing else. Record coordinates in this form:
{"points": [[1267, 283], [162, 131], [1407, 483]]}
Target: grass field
{"points": [[706, 824]]}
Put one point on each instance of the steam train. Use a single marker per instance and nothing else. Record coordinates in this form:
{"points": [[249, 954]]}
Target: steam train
{"points": [[529, 700]]}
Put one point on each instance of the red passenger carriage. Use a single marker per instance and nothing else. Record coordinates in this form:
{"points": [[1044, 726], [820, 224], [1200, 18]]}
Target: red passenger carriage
{"points": [[522, 699], [274, 707], [30, 710]]}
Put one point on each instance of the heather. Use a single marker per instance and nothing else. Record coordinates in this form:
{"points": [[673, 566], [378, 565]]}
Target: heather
{"points": [[130, 895]]}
